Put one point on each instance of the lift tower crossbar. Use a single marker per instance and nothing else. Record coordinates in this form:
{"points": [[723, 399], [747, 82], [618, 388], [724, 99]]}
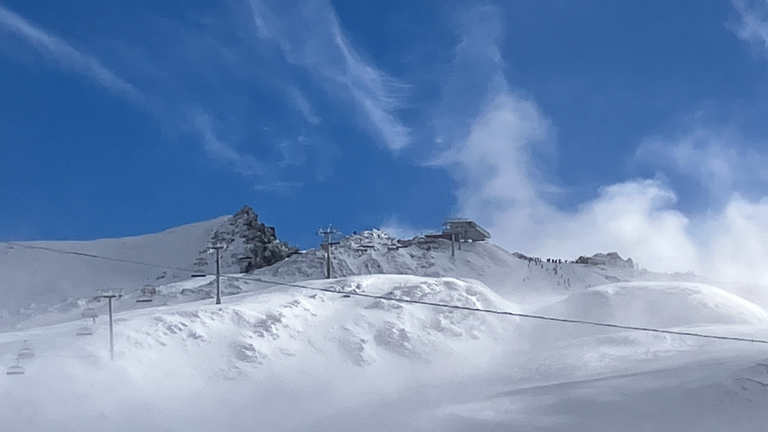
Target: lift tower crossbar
{"points": [[328, 234], [110, 295]]}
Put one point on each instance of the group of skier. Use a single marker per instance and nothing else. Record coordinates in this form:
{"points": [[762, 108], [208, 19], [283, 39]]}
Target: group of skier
{"points": [[537, 260], [563, 281]]}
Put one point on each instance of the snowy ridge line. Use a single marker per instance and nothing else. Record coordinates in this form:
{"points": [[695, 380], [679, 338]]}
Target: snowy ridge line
{"points": [[409, 301]]}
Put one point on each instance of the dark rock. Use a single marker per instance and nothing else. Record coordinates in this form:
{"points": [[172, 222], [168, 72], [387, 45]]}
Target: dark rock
{"points": [[261, 245]]}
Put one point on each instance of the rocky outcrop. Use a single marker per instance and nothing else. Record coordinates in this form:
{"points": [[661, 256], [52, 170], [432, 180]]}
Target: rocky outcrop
{"points": [[611, 259], [262, 247], [250, 244]]}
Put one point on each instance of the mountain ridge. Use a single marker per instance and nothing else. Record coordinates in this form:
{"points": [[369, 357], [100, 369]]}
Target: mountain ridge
{"points": [[290, 350]]}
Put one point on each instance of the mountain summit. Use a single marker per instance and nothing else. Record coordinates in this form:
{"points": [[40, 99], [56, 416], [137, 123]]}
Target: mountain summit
{"points": [[33, 276], [429, 331], [251, 244]]}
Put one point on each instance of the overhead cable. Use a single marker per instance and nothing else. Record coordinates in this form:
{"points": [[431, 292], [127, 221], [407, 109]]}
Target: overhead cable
{"points": [[407, 301]]}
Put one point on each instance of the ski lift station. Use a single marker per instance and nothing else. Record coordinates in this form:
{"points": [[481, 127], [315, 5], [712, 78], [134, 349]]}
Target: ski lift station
{"points": [[465, 230], [462, 230]]}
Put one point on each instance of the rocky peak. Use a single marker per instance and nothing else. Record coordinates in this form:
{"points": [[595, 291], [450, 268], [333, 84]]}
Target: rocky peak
{"points": [[251, 244]]}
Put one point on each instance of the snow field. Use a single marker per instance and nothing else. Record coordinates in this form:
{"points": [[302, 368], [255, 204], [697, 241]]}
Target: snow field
{"points": [[286, 358]]}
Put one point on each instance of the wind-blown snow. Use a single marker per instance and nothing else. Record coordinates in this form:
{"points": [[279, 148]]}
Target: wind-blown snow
{"points": [[301, 358], [30, 276], [42, 287], [279, 323], [659, 305]]}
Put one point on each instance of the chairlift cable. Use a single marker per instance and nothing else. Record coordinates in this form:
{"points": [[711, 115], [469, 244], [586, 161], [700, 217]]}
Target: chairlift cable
{"points": [[409, 301]]}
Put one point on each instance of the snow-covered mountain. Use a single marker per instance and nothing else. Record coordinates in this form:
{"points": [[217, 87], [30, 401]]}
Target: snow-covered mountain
{"points": [[36, 281], [289, 350], [41, 287]]}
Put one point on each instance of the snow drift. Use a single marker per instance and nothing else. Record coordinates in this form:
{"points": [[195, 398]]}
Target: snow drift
{"points": [[659, 305], [308, 357]]}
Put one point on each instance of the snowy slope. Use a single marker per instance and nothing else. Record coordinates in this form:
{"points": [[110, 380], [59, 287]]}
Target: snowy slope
{"points": [[275, 324], [659, 305], [39, 284], [297, 359], [37, 276], [371, 252], [276, 357], [375, 252]]}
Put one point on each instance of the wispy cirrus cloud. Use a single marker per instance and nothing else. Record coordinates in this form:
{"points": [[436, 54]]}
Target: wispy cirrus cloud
{"points": [[310, 35], [220, 150], [168, 109], [302, 104], [489, 135], [201, 82], [67, 57], [752, 24], [718, 158]]}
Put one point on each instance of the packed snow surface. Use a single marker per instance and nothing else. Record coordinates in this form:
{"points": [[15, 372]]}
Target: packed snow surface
{"points": [[39, 277], [289, 350], [659, 305]]}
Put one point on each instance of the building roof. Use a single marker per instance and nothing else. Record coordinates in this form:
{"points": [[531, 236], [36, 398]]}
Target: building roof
{"points": [[466, 229]]}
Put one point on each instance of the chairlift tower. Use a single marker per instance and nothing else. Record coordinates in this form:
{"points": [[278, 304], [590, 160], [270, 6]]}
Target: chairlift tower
{"points": [[217, 248], [328, 234], [110, 295]]}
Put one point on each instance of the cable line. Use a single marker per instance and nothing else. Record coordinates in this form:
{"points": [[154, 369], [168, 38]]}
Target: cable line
{"points": [[411, 301]]}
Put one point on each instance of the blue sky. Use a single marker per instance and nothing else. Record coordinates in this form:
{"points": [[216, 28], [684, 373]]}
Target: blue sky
{"points": [[122, 118]]}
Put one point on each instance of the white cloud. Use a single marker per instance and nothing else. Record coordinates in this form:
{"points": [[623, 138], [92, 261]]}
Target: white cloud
{"points": [[276, 187], [719, 158], [302, 104], [67, 56], [635, 218], [490, 136], [500, 189], [223, 151], [737, 241], [292, 152], [492, 155], [177, 114], [494, 160], [752, 25], [309, 34], [400, 230]]}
